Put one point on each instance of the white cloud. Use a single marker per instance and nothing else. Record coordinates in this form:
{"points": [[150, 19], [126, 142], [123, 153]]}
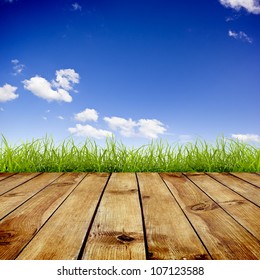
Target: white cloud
{"points": [[7, 93], [89, 131], [60, 117], [76, 7], [66, 77], [43, 89], [125, 127], [148, 128], [17, 67], [87, 115], [247, 137], [55, 91], [240, 36], [252, 6]]}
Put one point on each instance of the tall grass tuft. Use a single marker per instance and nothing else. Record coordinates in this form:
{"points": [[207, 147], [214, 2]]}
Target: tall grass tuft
{"points": [[43, 155]]}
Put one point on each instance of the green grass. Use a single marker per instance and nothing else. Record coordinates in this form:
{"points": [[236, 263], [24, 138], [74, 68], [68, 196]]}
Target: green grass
{"points": [[42, 155]]}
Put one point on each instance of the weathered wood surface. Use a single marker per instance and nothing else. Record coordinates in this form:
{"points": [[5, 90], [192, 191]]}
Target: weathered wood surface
{"points": [[129, 216], [249, 177], [63, 235], [117, 231], [243, 188], [169, 233]]}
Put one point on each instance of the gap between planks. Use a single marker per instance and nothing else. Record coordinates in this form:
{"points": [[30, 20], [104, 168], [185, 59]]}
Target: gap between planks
{"points": [[129, 216]]}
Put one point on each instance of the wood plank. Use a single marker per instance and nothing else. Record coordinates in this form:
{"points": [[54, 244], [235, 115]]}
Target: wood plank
{"points": [[237, 206], [17, 196], [15, 180], [64, 233], [243, 188], [4, 175], [18, 228], [169, 234], [221, 234], [117, 231], [249, 177]]}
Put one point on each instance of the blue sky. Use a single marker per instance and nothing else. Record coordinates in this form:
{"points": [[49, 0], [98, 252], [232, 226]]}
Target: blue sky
{"points": [[138, 70]]}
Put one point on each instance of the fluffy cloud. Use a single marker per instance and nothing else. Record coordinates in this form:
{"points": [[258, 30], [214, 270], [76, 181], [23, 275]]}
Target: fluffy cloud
{"points": [[66, 77], [17, 67], [56, 90], [87, 115], [252, 6], [148, 128], [43, 89], [125, 127], [240, 35], [89, 131], [247, 137], [7, 93]]}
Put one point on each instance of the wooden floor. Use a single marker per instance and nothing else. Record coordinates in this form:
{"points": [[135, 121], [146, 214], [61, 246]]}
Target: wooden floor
{"points": [[127, 216]]}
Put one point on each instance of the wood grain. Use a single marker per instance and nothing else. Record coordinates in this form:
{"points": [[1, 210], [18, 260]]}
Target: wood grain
{"points": [[221, 234], [17, 196], [128, 216], [18, 228], [4, 175], [249, 177], [168, 232], [243, 188], [63, 235], [237, 206], [13, 181], [117, 231]]}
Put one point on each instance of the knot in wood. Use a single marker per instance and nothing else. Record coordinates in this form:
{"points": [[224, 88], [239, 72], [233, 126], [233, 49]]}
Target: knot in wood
{"points": [[124, 238], [201, 257], [5, 237], [199, 207], [13, 195], [203, 206]]}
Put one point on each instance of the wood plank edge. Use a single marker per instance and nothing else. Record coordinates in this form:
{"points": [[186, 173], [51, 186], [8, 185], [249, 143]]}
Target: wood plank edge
{"points": [[242, 179], [246, 198], [36, 175], [146, 247], [223, 208], [39, 229], [189, 221], [9, 174], [1, 218], [85, 240]]}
